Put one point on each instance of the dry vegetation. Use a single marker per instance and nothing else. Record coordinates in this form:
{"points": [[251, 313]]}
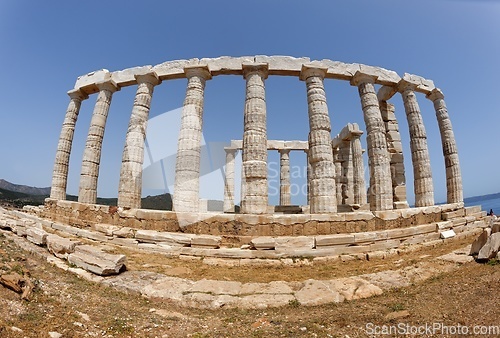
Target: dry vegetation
{"points": [[63, 303]]}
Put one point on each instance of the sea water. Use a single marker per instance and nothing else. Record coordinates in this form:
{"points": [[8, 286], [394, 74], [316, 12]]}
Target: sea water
{"points": [[486, 204]]}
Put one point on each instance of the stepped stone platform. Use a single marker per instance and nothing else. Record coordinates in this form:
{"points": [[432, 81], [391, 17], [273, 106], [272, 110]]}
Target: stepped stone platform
{"points": [[250, 237], [206, 293]]}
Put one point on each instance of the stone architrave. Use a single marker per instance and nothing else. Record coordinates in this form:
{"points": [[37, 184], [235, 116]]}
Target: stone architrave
{"points": [[396, 153], [61, 164], [92, 154], [338, 174], [254, 190], [130, 187], [423, 187], [187, 167], [450, 152], [229, 181], [285, 198], [322, 197], [358, 167], [378, 156]]}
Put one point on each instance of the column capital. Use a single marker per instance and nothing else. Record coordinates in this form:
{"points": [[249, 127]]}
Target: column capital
{"points": [[356, 134], [150, 77], [77, 94], [260, 68], [312, 70], [108, 85], [360, 78], [232, 151], [198, 70], [435, 94], [284, 151], [405, 85]]}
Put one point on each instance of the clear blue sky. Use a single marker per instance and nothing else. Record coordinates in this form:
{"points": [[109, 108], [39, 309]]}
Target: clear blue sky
{"points": [[45, 46]]}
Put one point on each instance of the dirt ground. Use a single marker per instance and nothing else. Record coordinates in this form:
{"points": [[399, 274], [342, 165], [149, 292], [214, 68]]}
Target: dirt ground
{"points": [[463, 301]]}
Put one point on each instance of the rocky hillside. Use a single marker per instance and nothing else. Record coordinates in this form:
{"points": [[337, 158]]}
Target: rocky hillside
{"points": [[23, 188]]}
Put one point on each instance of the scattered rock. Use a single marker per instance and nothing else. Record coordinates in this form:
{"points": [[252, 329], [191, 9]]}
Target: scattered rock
{"points": [[54, 334], [397, 315], [16, 329], [480, 242], [18, 284], [260, 323], [490, 248]]}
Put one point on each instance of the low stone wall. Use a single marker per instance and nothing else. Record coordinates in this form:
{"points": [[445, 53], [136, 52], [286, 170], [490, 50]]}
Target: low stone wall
{"points": [[438, 224], [234, 226]]}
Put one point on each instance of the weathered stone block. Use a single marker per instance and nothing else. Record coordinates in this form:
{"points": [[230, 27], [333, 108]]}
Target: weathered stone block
{"points": [[446, 216], [472, 210], [490, 248], [294, 243], [60, 247], [152, 236], [480, 242], [36, 236], [96, 261], [332, 240], [263, 243], [206, 241]]}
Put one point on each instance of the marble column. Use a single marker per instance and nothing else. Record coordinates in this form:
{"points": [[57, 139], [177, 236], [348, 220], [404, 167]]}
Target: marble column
{"points": [[254, 191], [453, 175], [187, 166], [61, 164], [338, 174], [308, 176], [359, 188], [92, 153], [285, 198], [378, 157], [130, 187], [347, 189], [229, 180], [422, 174], [322, 184], [396, 154]]}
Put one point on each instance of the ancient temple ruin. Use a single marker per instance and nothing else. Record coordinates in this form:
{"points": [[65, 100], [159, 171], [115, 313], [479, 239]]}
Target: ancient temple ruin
{"points": [[339, 199], [387, 186]]}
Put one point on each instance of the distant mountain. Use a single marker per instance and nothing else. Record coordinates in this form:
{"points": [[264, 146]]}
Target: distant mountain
{"points": [[481, 198], [23, 188]]}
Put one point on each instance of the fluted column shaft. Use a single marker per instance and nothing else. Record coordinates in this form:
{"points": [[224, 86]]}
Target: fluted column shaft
{"points": [[378, 157], [61, 163], [396, 154], [187, 166], [92, 153], [338, 174], [359, 189], [229, 181], [347, 188], [453, 175], [254, 192], [422, 173], [322, 184], [285, 198], [130, 187]]}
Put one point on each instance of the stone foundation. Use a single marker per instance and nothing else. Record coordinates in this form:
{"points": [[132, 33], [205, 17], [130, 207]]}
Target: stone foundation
{"points": [[265, 236]]}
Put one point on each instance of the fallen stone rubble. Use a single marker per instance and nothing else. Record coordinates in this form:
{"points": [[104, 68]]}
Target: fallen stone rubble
{"points": [[87, 257], [487, 245]]}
